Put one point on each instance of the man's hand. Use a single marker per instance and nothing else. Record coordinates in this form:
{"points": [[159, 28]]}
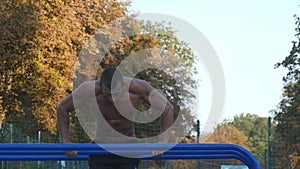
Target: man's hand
{"points": [[163, 139], [71, 153], [158, 152]]}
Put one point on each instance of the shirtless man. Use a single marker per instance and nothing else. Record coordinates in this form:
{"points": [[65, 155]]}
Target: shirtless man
{"points": [[113, 92]]}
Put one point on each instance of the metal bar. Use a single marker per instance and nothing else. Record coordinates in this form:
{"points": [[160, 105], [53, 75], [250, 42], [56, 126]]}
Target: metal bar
{"points": [[88, 152], [37, 152]]}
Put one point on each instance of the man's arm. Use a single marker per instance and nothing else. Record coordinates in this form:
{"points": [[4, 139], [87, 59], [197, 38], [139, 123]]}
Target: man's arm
{"points": [[161, 103], [67, 106], [63, 121], [63, 118], [167, 119], [158, 102], [79, 95]]}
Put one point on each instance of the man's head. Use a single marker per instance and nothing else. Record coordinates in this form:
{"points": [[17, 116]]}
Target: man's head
{"points": [[111, 81]]}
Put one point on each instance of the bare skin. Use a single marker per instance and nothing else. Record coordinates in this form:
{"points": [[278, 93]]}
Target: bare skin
{"points": [[131, 90]]}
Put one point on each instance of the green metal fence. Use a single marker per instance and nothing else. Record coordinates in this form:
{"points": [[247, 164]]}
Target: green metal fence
{"points": [[10, 133]]}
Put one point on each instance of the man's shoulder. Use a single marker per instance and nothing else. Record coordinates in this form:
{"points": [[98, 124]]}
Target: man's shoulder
{"points": [[138, 86], [90, 83], [134, 81], [87, 85]]}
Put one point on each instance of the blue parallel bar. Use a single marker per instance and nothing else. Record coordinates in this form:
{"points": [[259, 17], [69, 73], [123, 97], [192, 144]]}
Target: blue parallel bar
{"points": [[29, 152], [87, 152]]}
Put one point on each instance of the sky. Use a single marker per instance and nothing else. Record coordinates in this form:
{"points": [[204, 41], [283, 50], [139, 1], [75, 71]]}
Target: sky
{"points": [[249, 37]]}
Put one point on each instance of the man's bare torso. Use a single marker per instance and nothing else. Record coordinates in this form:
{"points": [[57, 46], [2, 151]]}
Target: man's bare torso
{"points": [[111, 120], [119, 114]]}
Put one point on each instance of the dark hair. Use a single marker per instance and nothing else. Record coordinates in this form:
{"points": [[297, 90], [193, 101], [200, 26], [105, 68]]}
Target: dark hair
{"points": [[107, 77]]}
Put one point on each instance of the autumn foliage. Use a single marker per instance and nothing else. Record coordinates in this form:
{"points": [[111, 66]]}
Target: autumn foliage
{"points": [[39, 45]]}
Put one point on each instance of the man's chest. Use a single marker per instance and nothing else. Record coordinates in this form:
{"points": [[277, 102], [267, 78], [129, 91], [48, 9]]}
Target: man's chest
{"points": [[124, 106]]}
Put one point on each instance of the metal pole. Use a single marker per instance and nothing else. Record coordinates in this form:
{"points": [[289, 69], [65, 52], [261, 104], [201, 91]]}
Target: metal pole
{"points": [[167, 164], [39, 141], [11, 141], [11, 133], [2, 141], [28, 142], [39, 137], [198, 139], [269, 144], [28, 139], [265, 158]]}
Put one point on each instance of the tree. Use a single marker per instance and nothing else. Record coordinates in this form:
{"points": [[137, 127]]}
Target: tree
{"points": [[287, 115], [136, 44], [255, 129], [226, 133], [39, 45], [41, 42]]}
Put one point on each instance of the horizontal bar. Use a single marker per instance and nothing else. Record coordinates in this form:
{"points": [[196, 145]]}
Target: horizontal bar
{"points": [[85, 157], [88, 152], [173, 151], [129, 146]]}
